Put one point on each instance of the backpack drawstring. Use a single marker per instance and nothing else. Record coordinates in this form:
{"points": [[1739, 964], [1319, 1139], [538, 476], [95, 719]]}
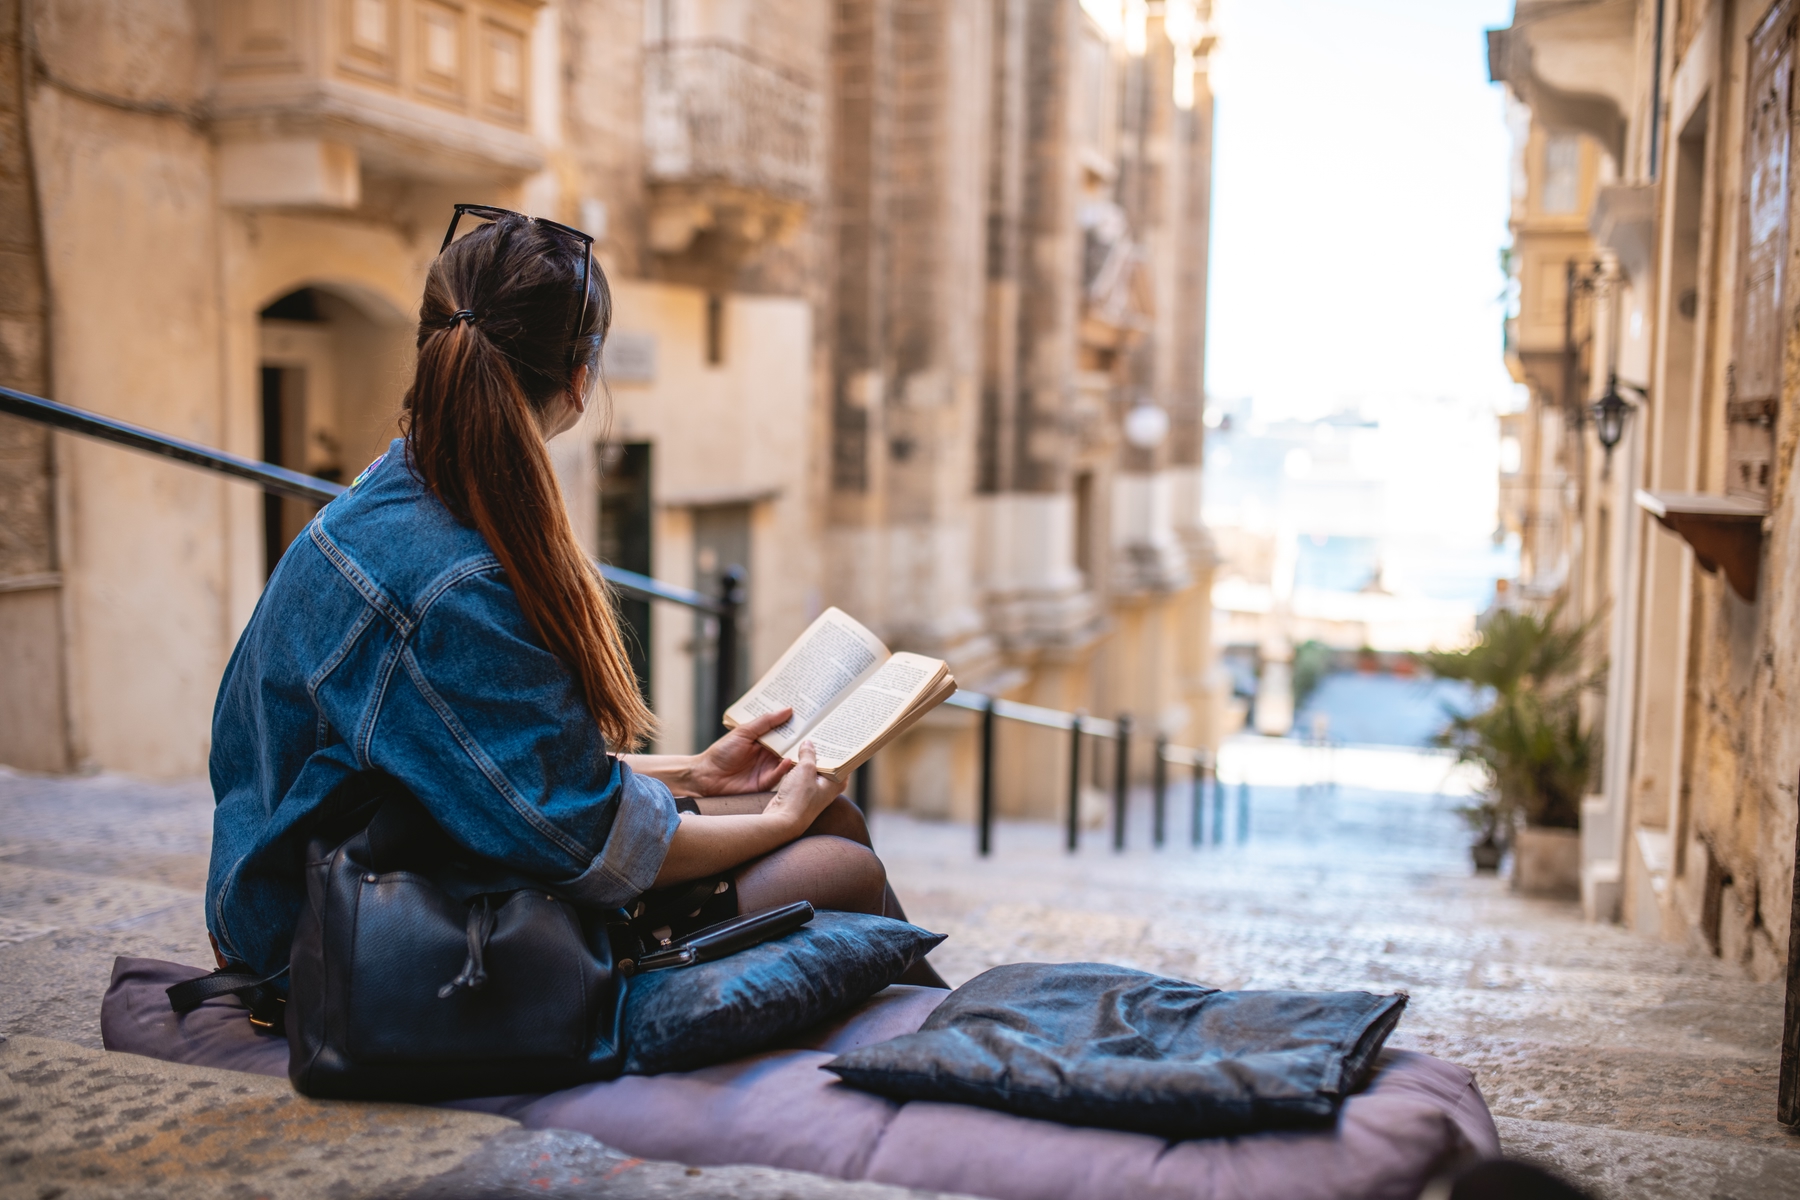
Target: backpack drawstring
{"points": [[474, 972]]}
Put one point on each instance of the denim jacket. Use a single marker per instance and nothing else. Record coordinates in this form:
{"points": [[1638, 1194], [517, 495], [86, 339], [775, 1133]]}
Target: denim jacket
{"points": [[389, 639]]}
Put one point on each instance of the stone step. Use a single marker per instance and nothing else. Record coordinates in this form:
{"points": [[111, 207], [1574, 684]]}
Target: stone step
{"points": [[80, 1124]]}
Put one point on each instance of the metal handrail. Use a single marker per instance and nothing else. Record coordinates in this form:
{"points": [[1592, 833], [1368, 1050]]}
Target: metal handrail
{"points": [[284, 482], [1079, 725], [727, 606], [76, 420], [643, 587]]}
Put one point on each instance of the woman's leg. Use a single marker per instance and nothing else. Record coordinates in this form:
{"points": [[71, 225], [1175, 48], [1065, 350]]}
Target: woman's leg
{"points": [[832, 872]]}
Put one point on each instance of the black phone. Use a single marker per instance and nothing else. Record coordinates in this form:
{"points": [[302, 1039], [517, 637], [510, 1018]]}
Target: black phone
{"points": [[728, 937]]}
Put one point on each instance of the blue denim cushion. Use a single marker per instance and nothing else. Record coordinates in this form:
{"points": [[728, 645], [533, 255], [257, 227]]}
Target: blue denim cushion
{"points": [[1093, 1044], [690, 1017]]}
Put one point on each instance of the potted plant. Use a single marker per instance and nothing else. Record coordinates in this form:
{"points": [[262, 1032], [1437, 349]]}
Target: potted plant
{"points": [[1528, 740], [1484, 818]]}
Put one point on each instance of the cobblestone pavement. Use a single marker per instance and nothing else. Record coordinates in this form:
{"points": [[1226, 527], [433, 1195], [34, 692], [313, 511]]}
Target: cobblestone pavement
{"points": [[1638, 1069]]}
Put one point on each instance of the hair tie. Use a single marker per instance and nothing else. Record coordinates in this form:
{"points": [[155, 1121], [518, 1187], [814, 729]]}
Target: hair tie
{"points": [[461, 314]]}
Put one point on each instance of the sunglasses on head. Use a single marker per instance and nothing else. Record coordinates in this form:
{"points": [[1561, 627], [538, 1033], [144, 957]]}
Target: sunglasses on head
{"points": [[584, 243]]}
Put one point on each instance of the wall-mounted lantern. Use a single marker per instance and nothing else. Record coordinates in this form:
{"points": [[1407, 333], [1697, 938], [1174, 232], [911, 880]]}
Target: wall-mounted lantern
{"points": [[1609, 413]]}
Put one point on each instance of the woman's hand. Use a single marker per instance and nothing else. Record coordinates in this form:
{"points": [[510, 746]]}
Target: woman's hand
{"points": [[705, 846], [803, 793], [739, 763]]}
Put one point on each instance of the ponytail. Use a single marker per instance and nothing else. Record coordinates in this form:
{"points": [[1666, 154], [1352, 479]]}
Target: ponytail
{"points": [[494, 349]]}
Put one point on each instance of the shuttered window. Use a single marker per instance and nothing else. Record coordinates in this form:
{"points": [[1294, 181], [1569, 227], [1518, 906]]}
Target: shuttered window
{"points": [[1755, 393]]}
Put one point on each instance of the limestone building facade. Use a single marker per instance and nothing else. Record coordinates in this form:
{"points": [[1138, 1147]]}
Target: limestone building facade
{"points": [[1652, 253], [910, 318]]}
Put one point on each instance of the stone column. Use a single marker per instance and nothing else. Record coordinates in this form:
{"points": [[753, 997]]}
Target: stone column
{"points": [[910, 179], [861, 104], [1035, 594]]}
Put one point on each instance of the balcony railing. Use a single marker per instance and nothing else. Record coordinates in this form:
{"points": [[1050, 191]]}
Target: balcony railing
{"points": [[713, 114]]}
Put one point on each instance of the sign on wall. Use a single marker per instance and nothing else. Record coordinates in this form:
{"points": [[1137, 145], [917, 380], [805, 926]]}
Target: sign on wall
{"points": [[629, 357]]}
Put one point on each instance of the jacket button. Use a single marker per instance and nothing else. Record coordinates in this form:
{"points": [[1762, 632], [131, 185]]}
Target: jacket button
{"points": [[371, 878]]}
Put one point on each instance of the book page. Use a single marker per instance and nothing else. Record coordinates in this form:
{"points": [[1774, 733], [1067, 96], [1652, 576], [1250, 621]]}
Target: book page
{"points": [[822, 666], [871, 708]]}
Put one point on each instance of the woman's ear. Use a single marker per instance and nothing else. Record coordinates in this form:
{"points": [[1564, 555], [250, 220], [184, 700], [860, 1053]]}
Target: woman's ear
{"points": [[578, 392]]}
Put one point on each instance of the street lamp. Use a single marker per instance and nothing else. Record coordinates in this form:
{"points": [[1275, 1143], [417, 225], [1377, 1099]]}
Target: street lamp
{"points": [[1146, 425], [1609, 413]]}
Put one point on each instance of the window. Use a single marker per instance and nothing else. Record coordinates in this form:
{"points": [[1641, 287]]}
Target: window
{"points": [[715, 329], [1084, 525], [1561, 192], [1094, 96], [660, 21]]}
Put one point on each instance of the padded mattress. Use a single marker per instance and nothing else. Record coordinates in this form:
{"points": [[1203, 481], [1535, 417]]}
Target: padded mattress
{"points": [[1417, 1116]]}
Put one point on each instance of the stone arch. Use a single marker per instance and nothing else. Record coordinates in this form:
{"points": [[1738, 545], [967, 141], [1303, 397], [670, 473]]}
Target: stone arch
{"points": [[377, 303], [332, 359]]}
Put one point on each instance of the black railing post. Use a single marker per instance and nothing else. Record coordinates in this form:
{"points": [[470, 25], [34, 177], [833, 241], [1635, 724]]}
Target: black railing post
{"points": [[1075, 784], [862, 793], [1121, 780], [725, 676], [985, 839], [1199, 797], [1159, 776]]}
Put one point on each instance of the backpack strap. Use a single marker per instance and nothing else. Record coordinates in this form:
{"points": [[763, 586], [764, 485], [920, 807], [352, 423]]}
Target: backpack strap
{"points": [[267, 1006]]}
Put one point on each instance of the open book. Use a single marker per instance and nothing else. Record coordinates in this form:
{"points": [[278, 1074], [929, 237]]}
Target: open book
{"points": [[850, 696]]}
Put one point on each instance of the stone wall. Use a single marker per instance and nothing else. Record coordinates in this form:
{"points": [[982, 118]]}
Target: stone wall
{"points": [[1736, 848], [33, 712], [1691, 833]]}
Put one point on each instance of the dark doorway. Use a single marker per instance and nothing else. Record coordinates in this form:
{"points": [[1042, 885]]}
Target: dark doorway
{"points": [[283, 443], [625, 539], [721, 541]]}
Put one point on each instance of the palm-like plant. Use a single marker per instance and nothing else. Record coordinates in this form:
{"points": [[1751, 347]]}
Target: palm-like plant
{"points": [[1529, 740]]}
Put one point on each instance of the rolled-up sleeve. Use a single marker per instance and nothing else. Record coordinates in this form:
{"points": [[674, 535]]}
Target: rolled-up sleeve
{"points": [[635, 848], [490, 731]]}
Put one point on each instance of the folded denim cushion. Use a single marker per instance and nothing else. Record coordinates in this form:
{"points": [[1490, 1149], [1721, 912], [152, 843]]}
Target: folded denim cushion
{"points": [[690, 1017], [1092, 1044]]}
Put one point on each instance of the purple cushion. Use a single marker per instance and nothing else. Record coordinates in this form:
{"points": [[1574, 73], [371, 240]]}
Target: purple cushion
{"points": [[135, 1017], [779, 1109]]}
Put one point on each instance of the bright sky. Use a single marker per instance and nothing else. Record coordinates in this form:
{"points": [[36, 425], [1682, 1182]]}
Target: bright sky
{"points": [[1360, 202]]}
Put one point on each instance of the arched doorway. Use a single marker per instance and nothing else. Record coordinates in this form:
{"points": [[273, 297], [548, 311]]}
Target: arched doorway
{"points": [[330, 380]]}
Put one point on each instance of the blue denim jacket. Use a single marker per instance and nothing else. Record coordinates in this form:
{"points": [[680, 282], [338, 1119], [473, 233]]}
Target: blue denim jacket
{"points": [[389, 639]]}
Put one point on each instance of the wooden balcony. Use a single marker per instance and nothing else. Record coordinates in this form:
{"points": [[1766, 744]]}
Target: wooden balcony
{"points": [[307, 92]]}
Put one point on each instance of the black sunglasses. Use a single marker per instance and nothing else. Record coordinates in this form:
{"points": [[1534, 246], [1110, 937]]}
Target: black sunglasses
{"points": [[488, 212]]}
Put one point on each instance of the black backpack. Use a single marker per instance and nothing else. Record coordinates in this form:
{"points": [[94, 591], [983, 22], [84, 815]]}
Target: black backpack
{"points": [[420, 972]]}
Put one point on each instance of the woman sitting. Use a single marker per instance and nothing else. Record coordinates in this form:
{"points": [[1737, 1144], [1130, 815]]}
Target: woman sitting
{"points": [[440, 623]]}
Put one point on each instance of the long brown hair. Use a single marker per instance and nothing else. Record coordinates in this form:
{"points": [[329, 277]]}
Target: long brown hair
{"points": [[470, 425]]}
